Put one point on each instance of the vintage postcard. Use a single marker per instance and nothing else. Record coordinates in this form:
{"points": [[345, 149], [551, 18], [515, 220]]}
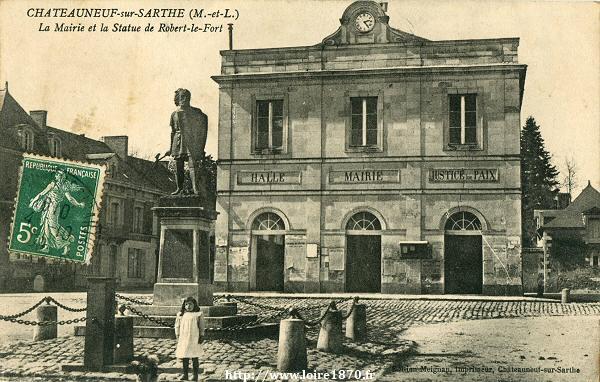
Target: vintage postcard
{"points": [[310, 190]]}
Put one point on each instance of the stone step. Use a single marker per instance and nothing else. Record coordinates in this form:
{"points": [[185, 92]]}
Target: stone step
{"points": [[260, 330], [171, 310], [140, 332], [211, 322]]}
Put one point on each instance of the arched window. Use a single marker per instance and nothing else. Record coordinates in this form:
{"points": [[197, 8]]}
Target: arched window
{"points": [[463, 221], [363, 221], [26, 137], [55, 146], [268, 221]]}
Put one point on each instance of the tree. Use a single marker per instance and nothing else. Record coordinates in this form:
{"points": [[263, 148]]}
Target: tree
{"points": [[538, 179], [569, 180]]}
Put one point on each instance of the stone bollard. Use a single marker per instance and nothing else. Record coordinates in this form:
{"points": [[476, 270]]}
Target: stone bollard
{"points": [[45, 313], [356, 323], [123, 350], [330, 335], [291, 353], [100, 323], [565, 296]]}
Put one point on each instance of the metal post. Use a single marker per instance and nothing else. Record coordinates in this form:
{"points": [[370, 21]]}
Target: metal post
{"points": [[230, 28]]}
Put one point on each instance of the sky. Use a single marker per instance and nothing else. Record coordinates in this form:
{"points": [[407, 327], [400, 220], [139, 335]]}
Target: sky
{"points": [[119, 83]]}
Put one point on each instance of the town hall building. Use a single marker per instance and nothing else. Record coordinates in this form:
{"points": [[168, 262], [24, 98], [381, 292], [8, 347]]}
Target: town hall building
{"points": [[375, 161]]}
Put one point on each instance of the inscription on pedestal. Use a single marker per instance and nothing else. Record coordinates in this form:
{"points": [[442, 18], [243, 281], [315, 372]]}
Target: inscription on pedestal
{"points": [[178, 254]]}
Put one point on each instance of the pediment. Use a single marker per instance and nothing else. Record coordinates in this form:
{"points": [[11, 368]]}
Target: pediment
{"points": [[356, 27]]}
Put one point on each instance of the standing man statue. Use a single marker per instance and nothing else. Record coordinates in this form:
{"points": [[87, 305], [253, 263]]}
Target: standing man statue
{"points": [[189, 127]]}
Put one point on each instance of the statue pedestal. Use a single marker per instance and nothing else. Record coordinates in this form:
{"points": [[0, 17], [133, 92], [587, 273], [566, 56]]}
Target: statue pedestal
{"points": [[186, 251]]}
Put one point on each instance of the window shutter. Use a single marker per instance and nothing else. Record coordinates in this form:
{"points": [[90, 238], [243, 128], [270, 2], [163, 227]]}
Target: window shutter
{"points": [[148, 218]]}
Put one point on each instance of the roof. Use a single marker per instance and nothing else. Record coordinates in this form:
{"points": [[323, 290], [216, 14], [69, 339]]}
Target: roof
{"points": [[548, 213], [572, 216], [78, 146], [153, 173], [132, 170], [588, 198], [566, 219], [13, 116]]}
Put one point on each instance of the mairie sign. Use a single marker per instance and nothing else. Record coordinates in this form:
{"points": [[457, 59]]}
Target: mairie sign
{"points": [[364, 176], [472, 175]]}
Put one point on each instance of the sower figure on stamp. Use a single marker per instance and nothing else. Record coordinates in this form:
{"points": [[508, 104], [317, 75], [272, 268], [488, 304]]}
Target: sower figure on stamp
{"points": [[189, 127]]}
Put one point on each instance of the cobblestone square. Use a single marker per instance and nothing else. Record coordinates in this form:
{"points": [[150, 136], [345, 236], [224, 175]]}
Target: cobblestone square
{"points": [[385, 348]]}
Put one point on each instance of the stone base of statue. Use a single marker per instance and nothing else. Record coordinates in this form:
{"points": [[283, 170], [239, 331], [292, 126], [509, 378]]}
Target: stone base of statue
{"points": [[186, 251], [185, 268], [185, 264]]}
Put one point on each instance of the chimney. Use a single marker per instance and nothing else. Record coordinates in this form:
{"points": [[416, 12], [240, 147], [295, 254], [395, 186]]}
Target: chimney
{"points": [[39, 117], [118, 144]]}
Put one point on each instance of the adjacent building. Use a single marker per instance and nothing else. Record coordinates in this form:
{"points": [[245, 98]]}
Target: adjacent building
{"points": [[570, 240], [374, 161], [126, 246]]}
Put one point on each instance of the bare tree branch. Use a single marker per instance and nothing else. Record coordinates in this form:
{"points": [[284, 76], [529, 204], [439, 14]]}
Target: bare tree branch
{"points": [[570, 179]]}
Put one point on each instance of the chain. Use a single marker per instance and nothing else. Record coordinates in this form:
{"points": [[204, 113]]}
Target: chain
{"points": [[51, 299], [246, 325], [12, 316], [147, 317], [44, 323], [244, 300], [132, 300], [295, 313], [354, 302]]}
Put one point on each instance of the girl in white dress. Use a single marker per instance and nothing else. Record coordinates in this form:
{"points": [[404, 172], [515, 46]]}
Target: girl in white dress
{"points": [[189, 329]]}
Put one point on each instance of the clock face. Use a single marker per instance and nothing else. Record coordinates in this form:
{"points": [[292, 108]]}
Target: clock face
{"points": [[364, 22]]}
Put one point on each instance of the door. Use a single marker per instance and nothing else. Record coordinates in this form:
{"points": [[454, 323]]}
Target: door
{"points": [[463, 264], [270, 251], [363, 263]]}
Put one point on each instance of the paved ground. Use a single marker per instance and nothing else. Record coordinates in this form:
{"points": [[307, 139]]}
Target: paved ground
{"points": [[523, 349], [18, 302], [388, 322]]}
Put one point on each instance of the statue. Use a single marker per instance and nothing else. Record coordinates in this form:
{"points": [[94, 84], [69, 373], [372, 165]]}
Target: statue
{"points": [[189, 127]]}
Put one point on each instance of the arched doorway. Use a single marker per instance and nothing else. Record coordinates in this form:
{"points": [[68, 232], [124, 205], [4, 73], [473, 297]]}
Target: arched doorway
{"points": [[267, 253], [463, 254], [363, 253]]}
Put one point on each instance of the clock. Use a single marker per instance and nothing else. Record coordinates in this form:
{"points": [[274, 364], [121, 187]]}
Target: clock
{"points": [[364, 22]]}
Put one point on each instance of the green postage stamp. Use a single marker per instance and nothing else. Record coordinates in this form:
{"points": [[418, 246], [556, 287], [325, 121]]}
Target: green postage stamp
{"points": [[56, 208]]}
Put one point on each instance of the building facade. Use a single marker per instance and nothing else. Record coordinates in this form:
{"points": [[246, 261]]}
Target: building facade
{"points": [[375, 161], [127, 233]]}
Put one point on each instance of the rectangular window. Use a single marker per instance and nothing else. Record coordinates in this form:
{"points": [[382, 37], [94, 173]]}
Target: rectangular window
{"points": [[463, 119], [363, 130], [595, 261], [269, 125], [138, 219], [135, 263], [114, 214]]}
